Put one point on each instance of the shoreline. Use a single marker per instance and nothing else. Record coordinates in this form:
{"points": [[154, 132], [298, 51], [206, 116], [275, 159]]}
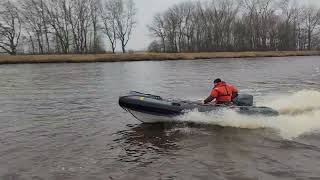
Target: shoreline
{"points": [[87, 58]]}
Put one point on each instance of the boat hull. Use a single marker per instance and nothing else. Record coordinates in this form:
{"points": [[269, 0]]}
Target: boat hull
{"points": [[153, 109], [153, 118]]}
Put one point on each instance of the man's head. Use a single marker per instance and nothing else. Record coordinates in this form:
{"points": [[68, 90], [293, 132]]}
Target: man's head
{"points": [[217, 81]]}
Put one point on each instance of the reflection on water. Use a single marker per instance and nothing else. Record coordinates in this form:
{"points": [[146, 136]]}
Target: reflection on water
{"points": [[142, 144], [157, 136], [62, 121], [178, 150], [161, 138]]}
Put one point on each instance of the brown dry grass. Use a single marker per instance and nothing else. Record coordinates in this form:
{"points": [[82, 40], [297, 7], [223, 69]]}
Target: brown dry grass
{"points": [[147, 56]]}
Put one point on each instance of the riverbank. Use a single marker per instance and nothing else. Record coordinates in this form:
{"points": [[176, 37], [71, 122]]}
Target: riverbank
{"points": [[75, 58]]}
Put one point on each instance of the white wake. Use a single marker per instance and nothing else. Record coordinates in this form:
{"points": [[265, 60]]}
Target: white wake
{"points": [[299, 114]]}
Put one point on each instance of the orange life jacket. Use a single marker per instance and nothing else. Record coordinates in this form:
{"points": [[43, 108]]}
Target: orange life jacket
{"points": [[223, 92]]}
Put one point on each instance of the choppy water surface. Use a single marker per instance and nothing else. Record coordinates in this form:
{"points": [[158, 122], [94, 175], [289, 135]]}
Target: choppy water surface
{"points": [[62, 121]]}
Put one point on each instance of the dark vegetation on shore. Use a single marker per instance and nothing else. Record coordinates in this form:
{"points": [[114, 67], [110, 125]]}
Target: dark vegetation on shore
{"points": [[146, 57], [236, 25], [98, 26]]}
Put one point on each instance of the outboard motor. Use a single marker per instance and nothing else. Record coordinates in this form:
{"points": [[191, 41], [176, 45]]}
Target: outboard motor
{"points": [[243, 100]]}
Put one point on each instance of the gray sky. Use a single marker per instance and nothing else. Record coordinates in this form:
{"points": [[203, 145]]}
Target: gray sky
{"points": [[148, 8]]}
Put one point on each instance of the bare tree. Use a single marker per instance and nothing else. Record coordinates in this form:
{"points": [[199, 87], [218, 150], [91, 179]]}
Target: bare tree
{"points": [[108, 17], [154, 47], [34, 11], [65, 26], [94, 11], [125, 14], [76, 26], [289, 25], [226, 25], [312, 19], [157, 29], [36, 22], [58, 18], [10, 27], [79, 19]]}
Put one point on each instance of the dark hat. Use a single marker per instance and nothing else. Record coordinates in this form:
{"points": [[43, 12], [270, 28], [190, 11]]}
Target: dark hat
{"points": [[217, 81]]}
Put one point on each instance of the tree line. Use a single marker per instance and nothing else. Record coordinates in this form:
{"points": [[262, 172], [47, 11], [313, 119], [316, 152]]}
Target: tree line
{"points": [[65, 26], [236, 25]]}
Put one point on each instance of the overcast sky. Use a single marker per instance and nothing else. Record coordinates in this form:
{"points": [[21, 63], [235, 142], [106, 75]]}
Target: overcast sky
{"points": [[148, 8]]}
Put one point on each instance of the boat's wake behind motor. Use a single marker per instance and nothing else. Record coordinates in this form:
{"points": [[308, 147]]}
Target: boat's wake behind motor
{"points": [[299, 114]]}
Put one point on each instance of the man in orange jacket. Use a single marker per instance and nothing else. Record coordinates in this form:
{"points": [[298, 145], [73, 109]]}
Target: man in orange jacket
{"points": [[222, 92]]}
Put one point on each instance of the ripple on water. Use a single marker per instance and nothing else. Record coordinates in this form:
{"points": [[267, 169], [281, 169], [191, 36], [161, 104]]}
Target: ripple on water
{"points": [[62, 121]]}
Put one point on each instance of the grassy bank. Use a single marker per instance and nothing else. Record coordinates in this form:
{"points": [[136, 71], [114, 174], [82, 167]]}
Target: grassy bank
{"points": [[146, 56]]}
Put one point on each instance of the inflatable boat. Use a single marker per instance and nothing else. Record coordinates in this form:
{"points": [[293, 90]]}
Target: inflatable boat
{"points": [[149, 108]]}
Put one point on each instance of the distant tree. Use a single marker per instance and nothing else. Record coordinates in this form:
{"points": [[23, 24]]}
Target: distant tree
{"points": [[10, 27], [95, 11], [231, 25], [157, 29], [58, 12], [109, 27], [118, 17], [35, 20], [125, 15], [312, 20], [154, 47]]}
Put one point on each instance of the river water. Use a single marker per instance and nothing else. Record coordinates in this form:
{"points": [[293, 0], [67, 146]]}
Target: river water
{"points": [[62, 121]]}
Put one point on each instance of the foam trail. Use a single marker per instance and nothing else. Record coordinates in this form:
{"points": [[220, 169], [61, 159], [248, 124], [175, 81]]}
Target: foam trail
{"points": [[299, 114], [298, 103]]}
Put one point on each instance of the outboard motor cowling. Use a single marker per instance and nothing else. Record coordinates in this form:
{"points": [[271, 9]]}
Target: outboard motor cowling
{"points": [[243, 100]]}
